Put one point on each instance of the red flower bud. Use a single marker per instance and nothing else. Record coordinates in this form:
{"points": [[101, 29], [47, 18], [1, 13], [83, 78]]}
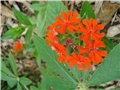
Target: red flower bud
{"points": [[18, 46]]}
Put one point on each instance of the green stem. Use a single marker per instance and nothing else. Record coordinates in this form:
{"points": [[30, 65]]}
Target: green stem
{"points": [[82, 86], [116, 38], [25, 87]]}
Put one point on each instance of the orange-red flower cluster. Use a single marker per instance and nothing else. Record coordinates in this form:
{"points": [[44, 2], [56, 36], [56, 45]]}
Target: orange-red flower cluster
{"points": [[62, 34], [18, 46]]}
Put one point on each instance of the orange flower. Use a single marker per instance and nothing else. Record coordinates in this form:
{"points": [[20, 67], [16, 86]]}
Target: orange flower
{"points": [[94, 54], [65, 46], [52, 35], [90, 30], [62, 53], [68, 21], [81, 61], [18, 46]]}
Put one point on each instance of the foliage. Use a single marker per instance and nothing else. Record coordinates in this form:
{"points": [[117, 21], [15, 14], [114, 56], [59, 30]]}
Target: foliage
{"points": [[108, 69], [58, 76], [46, 15], [12, 77], [87, 11]]}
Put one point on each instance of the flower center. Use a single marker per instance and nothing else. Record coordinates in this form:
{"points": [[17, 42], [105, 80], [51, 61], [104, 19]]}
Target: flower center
{"points": [[66, 22], [80, 60], [93, 49], [68, 42], [91, 31]]}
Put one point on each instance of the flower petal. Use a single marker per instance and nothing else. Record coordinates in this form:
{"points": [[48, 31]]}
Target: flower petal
{"points": [[62, 30], [86, 23], [99, 27], [85, 38], [99, 44], [69, 13], [71, 28], [95, 22], [98, 58], [102, 53], [64, 16], [82, 50], [59, 19], [91, 56], [81, 66]]}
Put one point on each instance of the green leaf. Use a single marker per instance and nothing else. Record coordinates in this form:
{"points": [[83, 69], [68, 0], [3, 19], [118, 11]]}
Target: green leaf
{"points": [[28, 34], [85, 75], [37, 6], [58, 83], [32, 20], [25, 81], [38, 61], [4, 76], [44, 85], [13, 32], [109, 69], [38, 58], [29, 47], [6, 70], [47, 70], [10, 80], [13, 64], [48, 14], [76, 73], [108, 43], [33, 88], [39, 85], [65, 67], [87, 11], [19, 86], [9, 34], [50, 57], [80, 75], [21, 18]]}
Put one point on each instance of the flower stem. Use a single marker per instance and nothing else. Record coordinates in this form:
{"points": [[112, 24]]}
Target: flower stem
{"points": [[82, 86]]}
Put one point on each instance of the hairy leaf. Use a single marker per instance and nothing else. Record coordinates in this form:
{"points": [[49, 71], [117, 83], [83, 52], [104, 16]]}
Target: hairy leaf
{"points": [[87, 11], [13, 32], [109, 69], [25, 81], [47, 15], [20, 17], [13, 64], [50, 57]]}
